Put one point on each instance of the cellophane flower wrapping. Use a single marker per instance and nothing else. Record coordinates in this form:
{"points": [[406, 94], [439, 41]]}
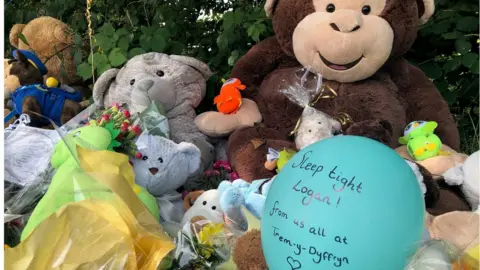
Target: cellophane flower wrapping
{"points": [[83, 210], [436, 254], [202, 244]]}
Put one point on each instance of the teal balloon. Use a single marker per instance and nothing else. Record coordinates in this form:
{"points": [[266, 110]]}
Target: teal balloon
{"points": [[346, 202]]}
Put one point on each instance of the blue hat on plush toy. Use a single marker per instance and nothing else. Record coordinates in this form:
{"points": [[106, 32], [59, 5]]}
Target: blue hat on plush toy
{"points": [[33, 59]]}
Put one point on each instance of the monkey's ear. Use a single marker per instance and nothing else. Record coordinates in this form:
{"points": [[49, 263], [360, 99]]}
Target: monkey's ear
{"points": [[269, 7], [426, 8]]}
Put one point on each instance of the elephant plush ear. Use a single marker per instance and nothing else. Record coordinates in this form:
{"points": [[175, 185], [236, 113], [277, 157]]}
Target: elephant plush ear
{"points": [[426, 8], [102, 85], [194, 63]]}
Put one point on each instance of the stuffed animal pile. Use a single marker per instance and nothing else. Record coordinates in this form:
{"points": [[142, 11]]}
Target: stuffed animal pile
{"points": [[286, 93]]}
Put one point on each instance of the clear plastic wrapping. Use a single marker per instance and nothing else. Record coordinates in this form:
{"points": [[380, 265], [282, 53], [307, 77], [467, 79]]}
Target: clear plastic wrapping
{"points": [[92, 216], [313, 125]]}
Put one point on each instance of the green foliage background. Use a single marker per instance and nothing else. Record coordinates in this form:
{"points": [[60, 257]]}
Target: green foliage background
{"points": [[219, 32]]}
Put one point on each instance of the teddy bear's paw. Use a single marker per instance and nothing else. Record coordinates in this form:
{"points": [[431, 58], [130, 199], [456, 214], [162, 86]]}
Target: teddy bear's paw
{"points": [[248, 252], [231, 198], [216, 124], [377, 130]]}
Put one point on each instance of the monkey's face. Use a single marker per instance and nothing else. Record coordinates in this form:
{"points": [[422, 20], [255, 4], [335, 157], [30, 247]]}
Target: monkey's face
{"points": [[345, 41]]}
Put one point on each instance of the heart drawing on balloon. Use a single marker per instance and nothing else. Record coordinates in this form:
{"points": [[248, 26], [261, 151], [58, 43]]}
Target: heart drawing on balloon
{"points": [[294, 264]]}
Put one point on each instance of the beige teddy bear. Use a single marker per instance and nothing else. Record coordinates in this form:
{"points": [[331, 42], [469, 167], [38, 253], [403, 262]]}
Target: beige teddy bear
{"points": [[47, 36]]}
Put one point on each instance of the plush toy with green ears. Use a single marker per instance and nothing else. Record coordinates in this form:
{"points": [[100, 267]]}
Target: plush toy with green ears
{"points": [[70, 183], [421, 142]]}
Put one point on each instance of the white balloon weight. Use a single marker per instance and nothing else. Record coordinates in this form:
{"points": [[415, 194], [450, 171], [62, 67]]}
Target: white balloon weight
{"points": [[345, 202]]}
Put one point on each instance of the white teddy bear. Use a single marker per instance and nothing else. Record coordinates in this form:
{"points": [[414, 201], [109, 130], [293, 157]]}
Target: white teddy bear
{"points": [[467, 175], [163, 167]]}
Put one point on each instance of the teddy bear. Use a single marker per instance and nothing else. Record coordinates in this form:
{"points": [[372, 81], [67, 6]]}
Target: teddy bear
{"points": [[47, 36], [358, 48], [24, 86], [161, 168], [177, 83]]}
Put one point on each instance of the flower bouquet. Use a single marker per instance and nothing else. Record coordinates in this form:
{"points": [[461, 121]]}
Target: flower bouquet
{"points": [[202, 244], [212, 177]]}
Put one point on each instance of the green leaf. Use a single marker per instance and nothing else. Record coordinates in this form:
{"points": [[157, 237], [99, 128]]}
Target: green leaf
{"points": [[104, 42], [222, 42], [467, 24], [122, 32], [453, 64], [451, 35], [176, 47], [145, 42], [23, 39], [254, 32], [474, 69], [450, 97], [102, 69], [432, 70], [117, 57], [107, 29], [77, 57], [99, 60], [470, 59], [164, 33], [77, 40], [147, 31], [228, 20], [158, 43], [85, 71], [135, 51], [90, 58], [462, 46], [233, 58], [123, 43]]}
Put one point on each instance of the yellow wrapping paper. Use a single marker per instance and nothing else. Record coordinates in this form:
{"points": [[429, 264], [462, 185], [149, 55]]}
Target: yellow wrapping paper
{"points": [[114, 231]]}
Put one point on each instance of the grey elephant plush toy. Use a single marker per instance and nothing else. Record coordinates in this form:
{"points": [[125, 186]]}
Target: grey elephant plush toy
{"points": [[176, 82], [163, 167]]}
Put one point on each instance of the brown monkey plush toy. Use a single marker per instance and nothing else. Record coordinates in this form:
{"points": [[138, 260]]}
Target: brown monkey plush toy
{"points": [[358, 47]]}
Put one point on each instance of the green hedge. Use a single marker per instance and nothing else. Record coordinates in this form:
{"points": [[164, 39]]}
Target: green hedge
{"points": [[446, 49]]}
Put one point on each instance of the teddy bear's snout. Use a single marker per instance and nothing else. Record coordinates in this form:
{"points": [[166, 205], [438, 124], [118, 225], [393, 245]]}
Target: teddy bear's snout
{"points": [[159, 90], [153, 170]]}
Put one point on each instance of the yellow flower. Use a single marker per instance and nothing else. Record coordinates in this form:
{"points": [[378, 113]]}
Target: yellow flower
{"points": [[208, 233]]}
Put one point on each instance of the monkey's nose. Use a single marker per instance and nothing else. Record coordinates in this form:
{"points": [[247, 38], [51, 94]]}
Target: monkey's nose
{"points": [[335, 27]]}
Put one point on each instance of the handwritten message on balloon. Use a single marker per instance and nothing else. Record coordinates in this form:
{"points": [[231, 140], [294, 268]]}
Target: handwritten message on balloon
{"points": [[337, 205]]}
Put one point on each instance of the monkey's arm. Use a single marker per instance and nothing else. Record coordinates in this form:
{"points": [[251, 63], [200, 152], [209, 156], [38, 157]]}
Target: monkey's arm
{"points": [[259, 61]]}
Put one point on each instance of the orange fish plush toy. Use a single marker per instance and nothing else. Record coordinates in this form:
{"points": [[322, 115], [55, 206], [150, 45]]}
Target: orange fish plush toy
{"points": [[229, 100]]}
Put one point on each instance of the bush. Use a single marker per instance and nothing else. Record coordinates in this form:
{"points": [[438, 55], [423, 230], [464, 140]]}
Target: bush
{"points": [[447, 47]]}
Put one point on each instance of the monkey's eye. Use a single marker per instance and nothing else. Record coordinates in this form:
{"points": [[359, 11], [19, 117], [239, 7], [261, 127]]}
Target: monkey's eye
{"points": [[160, 73], [144, 158], [132, 82], [366, 10], [330, 8]]}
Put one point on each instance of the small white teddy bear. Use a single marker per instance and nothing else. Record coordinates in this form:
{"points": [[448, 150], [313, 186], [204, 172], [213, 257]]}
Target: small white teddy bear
{"points": [[467, 175], [313, 125]]}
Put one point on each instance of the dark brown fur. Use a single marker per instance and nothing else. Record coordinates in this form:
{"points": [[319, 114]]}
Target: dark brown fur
{"points": [[380, 106], [28, 74]]}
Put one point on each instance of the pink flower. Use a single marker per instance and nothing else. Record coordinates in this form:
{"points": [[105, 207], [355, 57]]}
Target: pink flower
{"points": [[106, 117], [217, 164], [207, 173], [124, 128], [116, 104], [234, 176], [138, 155], [126, 114], [137, 130], [215, 172], [227, 168]]}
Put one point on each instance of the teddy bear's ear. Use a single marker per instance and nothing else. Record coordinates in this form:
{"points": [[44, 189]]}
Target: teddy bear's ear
{"points": [[269, 7], [426, 8], [192, 154], [102, 84], [194, 63], [16, 29]]}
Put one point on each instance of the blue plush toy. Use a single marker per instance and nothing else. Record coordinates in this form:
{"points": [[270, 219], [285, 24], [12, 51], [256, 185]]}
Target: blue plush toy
{"points": [[239, 192]]}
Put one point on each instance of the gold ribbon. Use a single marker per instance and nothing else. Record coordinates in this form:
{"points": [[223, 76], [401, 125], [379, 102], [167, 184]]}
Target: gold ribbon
{"points": [[343, 118]]}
